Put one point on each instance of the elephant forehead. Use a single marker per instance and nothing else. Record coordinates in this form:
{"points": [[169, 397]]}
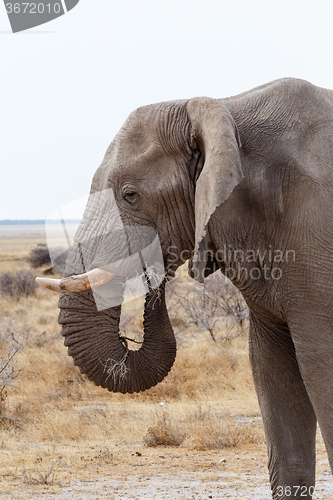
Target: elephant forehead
{"points": [[148, 168], [139, 132], [138, 152], [152, 123], [144, 144]]}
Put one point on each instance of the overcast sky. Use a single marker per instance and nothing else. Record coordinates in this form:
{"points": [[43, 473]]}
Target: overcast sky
{"points": [[68, 86]]}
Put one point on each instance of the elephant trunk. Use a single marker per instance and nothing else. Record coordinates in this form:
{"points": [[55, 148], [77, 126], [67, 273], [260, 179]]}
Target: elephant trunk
{"points": [[94, 342]]}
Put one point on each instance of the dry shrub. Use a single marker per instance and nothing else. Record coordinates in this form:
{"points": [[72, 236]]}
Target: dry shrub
{"points": [[18, 284], [38, 257], [200, 430], [217, 433], [10, 348], [39, 476], [215, 307], [164, 433]]}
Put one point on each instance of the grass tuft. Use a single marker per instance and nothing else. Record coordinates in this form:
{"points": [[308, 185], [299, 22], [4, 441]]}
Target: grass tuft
{"points": [[219, 433], [41, 477], [164, 432]]}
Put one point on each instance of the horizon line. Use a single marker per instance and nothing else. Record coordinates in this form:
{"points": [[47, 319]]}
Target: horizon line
{"points": [[33, 221]]}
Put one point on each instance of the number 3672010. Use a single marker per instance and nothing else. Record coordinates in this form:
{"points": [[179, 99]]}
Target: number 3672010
{"points": [[32, 8]]}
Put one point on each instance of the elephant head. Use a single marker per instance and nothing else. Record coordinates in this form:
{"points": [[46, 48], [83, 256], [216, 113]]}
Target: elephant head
{"points": [[167, 170]]}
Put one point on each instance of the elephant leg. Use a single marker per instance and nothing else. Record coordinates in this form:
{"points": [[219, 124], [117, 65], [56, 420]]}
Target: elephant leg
{"points": [[288, 416], [312, 334]]}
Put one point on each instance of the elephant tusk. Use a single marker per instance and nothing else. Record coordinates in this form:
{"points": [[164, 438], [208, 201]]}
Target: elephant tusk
{"points": [[79, 282], [49, 283], [91, 279]]}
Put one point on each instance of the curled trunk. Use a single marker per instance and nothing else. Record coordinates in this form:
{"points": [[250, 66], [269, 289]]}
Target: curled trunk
{"points": [[94, 342]]}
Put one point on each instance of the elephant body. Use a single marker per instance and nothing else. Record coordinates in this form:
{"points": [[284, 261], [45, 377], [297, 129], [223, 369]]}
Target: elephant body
{"points": [[243, 185]]}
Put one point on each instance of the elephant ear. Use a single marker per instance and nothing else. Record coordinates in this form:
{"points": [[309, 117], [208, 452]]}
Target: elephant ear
{"points": [[215, 134]]}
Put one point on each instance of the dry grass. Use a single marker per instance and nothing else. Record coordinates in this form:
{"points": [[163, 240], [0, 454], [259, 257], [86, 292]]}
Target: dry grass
{"points": [[199, 429], [165, 432], [15, 249], [220, 433], [52, 411], [38, 476]]}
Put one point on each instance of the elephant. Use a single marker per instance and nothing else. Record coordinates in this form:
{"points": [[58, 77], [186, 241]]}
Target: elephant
{"points": [[244, 186]]}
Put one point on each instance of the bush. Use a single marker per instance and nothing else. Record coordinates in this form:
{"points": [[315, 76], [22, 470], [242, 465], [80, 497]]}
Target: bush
{"points": [[217, 433], [40, 476], [201, 431], [19, 284], [9, 349], [38, 257], [212, 306], [164, 433]]}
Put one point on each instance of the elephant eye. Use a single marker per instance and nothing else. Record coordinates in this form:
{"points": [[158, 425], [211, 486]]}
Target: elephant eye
{"points": [[131, 196]]}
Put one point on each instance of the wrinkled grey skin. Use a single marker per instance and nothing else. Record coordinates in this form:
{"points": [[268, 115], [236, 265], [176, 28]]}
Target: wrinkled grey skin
{"points": [[251, 172]]}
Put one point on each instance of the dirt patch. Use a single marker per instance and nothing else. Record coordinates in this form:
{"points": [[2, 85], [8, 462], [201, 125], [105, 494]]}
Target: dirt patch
{"points": [[117, 472]]}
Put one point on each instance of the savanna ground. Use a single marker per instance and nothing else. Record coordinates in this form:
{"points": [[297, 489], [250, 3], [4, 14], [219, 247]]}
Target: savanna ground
{"points": [[197, 435]]}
